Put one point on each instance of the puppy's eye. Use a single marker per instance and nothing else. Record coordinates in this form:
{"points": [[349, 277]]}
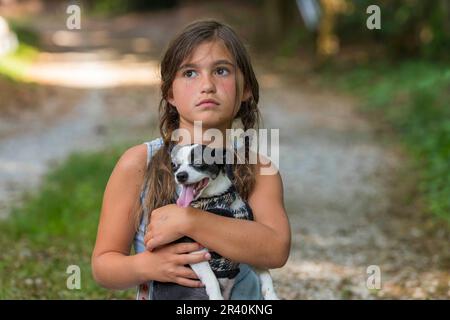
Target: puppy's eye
{"points": [[174, 166]]}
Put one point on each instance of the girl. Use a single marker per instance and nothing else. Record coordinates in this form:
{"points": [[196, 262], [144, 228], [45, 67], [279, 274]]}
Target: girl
{"points": [[205, 61]]}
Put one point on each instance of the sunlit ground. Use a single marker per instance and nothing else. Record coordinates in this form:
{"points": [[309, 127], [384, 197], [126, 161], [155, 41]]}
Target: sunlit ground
{"points": [[88, 70]]}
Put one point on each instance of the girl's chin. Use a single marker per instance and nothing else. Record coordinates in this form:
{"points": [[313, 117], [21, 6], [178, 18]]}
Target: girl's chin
{"points": [[211, 120], [206, 123]]}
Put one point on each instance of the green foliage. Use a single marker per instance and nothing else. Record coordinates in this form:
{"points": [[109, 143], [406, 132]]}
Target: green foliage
{"points": [[110, 7], [115, 7], [414, 98], [56, 227], [24, 33], [14, 65], [294, 41], [408, 28]]}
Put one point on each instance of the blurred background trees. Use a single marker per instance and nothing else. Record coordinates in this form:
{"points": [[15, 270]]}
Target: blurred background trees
{"points": [[409, 28]]}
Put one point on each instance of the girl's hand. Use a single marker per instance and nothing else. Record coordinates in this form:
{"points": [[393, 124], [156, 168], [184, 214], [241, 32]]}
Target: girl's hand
{"points": [[166, 225], [167, 264]]}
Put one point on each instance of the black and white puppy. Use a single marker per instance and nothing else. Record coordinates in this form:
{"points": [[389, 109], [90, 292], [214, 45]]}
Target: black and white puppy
{"points": [[205, 183]]}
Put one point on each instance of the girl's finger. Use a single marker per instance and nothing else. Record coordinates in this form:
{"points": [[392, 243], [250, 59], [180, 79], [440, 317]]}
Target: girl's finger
{"points": [[150, 245], [154, 242], [187, 247], [189, 283], [191, 258], [148, 236], [186, 272]]}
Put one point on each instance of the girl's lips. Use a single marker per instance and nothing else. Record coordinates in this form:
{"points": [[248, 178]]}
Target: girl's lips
{"points": [[207, 102]]}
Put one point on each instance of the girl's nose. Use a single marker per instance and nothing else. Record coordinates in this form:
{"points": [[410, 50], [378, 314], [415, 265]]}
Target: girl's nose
{"points": [[208, 85]]}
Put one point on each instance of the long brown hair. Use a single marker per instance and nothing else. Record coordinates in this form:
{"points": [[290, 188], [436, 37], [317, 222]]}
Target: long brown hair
{"points": [[159, 181]]}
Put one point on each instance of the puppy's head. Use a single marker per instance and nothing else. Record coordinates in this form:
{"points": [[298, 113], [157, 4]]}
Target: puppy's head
{"points": [[196, 167]]}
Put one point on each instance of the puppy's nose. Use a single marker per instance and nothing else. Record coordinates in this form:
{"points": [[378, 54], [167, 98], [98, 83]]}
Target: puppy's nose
{"points": [[182, 176]]}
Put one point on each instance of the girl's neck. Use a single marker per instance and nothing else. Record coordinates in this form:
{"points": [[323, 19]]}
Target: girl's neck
{"points": [[196, 135]]}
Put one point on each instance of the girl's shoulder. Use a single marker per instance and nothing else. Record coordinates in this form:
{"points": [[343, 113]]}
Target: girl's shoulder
{"points": [[137, 157]]}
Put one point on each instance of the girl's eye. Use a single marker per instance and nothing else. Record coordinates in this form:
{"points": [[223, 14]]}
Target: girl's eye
{"points": [[222, 71], [189, 73]]}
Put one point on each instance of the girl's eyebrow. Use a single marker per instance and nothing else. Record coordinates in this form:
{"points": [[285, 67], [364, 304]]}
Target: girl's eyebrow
{"points": [[215, 63]]}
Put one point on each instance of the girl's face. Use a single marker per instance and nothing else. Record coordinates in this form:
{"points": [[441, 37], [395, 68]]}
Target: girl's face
{"points": [[209, 73]]}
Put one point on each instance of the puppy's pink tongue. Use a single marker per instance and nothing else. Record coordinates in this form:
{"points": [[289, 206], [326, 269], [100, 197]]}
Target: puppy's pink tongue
{"points": [[186, 196]]}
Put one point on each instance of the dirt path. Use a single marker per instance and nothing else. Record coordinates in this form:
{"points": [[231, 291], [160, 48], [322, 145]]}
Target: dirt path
{"points": [[342, 193], [101, 117], [342, 185]]}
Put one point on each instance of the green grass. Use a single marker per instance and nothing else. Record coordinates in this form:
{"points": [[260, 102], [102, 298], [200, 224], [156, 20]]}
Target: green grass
{"points": [[56, 227], [414, 98]]}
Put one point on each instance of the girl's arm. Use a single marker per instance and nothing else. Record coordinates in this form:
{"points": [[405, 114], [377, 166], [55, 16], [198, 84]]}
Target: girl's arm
{"points": [[112, 266], [263, 243]]}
